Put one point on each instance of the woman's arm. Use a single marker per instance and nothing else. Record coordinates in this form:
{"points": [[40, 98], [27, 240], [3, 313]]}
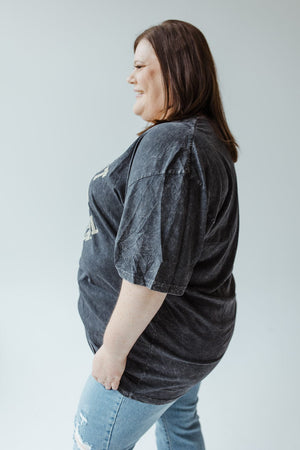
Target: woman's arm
{"points": [[135, 308]]}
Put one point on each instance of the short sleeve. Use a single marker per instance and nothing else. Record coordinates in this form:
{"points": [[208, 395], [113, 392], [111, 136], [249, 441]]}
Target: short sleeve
{"points": [[161, 232]]}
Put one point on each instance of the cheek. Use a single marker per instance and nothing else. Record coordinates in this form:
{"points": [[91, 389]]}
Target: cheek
{"points": [[157, 86], [159, 93]]}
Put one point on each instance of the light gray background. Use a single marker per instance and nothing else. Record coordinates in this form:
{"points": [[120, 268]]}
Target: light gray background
{"points": [[66, 112]]}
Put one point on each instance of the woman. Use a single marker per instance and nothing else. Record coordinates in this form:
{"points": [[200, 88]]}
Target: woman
{"points": [[157, 293]]}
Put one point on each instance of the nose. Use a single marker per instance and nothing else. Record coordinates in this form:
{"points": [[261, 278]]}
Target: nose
{"points": [[130, 78]]}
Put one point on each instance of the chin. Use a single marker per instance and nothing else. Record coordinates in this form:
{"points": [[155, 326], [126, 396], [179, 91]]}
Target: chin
{"points": [[137, 111]]}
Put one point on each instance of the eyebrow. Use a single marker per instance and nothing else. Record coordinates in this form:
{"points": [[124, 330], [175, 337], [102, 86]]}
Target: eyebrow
{"points": [[138, 60]]}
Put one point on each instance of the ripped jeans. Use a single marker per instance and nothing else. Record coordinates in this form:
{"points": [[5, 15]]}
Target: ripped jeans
{"points": [[107, 420]]}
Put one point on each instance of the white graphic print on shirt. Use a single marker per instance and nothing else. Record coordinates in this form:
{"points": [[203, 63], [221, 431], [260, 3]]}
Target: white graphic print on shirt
{"points": [[101, 174], [91, 229]]}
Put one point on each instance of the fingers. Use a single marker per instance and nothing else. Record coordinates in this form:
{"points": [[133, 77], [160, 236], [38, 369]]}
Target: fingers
{"points": [[109, 384], [115, 385], [106, 384]]}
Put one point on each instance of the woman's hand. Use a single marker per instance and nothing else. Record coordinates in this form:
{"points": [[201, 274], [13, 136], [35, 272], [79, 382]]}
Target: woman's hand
{"points": [[108, 368]]}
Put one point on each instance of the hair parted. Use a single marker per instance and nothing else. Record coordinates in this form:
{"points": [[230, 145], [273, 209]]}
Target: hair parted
{"points": [[190, 77]]}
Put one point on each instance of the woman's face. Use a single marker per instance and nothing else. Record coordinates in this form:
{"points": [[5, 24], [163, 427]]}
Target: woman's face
{"points": [[148, 83]]}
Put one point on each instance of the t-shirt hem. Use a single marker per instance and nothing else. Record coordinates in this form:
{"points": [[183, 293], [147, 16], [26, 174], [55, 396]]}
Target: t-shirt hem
{"points": [[151, 284], [144, 398]]}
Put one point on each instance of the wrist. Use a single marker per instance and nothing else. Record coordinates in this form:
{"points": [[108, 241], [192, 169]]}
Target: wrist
{"points": [[113, 350]]}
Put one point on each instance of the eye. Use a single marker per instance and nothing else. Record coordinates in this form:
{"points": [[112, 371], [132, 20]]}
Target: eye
{"points": [[137, 67]]}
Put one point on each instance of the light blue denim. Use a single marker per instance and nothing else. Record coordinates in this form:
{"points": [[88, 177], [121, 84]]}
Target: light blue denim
{"points": [[107, 420]]}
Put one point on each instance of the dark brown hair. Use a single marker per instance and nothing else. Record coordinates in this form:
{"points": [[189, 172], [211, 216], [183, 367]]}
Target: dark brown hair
{"points": [[190, 77]]}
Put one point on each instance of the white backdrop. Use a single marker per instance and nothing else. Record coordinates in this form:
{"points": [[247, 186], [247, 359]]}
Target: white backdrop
{"points": [[66, 112]]}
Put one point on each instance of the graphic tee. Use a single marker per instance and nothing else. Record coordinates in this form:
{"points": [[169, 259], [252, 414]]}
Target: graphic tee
{"points": [[165, 215]]}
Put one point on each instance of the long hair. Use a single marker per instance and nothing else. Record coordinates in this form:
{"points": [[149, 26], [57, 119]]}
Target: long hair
{"points": [[189, 76]]}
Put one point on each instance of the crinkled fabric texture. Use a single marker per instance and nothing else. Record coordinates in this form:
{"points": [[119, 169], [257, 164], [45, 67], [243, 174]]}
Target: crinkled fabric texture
{"points": [[165, 215]]}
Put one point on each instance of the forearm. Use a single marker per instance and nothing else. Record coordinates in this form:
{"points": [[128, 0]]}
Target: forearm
{"points": [[135, 308]]}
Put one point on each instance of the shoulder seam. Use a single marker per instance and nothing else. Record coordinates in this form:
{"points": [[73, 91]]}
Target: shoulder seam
{"points": [[171, 171], [190, 140], [192, 137]]}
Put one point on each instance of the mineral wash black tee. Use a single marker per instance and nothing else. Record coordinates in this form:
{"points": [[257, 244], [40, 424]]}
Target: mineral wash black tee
{"points": [[165, 215]]}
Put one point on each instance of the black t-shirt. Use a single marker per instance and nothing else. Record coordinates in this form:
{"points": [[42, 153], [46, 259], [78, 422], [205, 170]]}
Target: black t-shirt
{"points": [[165, 215]]}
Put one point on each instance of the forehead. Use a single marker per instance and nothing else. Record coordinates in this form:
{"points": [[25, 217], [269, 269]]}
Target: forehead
{"points": [[144, 51]]}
